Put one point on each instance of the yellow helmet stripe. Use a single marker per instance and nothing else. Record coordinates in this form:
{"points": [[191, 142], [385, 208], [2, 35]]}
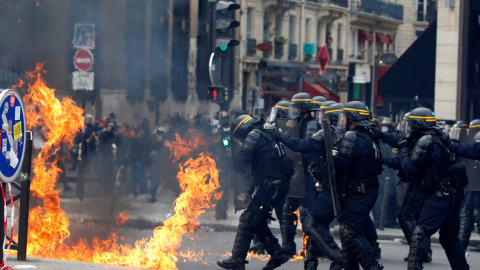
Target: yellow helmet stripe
{"points": [[323, 107], [427, 118], [305, 99], [281, 107], [474, 126], [331, 111], [243, 121], [386, 122], [455, 128], [376, 119], [357, 110], [318, 102]]}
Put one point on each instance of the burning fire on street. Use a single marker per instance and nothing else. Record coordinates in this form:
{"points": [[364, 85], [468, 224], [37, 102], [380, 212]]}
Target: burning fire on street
{"points": [[49, 235]]}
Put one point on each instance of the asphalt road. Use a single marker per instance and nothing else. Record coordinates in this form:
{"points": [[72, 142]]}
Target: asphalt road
{"points": [[215, 246]]}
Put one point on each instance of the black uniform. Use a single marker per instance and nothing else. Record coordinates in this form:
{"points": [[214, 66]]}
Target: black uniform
{"points": [[264, 156]]}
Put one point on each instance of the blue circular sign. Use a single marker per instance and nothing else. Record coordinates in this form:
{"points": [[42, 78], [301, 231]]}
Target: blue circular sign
{"points": [[13, 128]]}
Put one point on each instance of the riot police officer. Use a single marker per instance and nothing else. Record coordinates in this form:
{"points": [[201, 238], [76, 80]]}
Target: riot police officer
{"points": [[280, 110], [412, 200], [470, 209], [271, 172], [317, 223], [359, 159], [303, 106], [385, 209], [440, 178]]}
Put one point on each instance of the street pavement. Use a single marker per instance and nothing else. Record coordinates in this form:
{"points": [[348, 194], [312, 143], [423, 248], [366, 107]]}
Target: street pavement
{"points": [[213, 237]]}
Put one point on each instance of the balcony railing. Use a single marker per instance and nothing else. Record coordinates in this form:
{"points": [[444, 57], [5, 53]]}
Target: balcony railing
{"points": [[378, 8], [341, 3]]}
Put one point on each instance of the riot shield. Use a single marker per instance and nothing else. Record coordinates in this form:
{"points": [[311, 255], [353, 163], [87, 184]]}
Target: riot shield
{"points": [[331, 167], [239, 179], [297, 182], [471, 165]]}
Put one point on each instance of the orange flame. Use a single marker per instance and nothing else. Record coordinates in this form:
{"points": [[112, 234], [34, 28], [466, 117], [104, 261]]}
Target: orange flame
{"points": [[48, 229], [19, 20], [302, 254], [122, 218]]}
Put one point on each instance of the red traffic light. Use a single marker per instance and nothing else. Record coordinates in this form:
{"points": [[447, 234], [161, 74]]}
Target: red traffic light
{"points": [[217, 94], [214, 94]]}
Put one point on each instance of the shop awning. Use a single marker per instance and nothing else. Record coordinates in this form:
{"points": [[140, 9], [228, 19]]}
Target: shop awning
{"points": [[390, 40], [318, 89], [364, 35], [382, 38], [413, 74]]}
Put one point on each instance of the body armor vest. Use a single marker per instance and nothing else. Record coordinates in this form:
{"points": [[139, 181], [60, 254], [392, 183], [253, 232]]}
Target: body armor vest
{"points": [[365, 171], [432, 177], [275, 165]]}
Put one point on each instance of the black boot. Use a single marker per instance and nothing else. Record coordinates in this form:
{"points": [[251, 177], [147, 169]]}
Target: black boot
{"points": [[288, 243], [240, 247], [377, 251], [256, 247], [278, 258], [311, 260]]}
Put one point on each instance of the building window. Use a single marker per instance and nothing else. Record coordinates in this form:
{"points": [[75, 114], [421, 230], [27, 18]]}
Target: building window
{"points": [[291, 30], [319, 34], [266, 26], [249, 22], [339, 36], [278, 25], [353, 43], [423, 10]]}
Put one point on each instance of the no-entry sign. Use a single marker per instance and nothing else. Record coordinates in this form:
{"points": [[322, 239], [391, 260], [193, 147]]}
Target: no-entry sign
{"points": [[83, 60]]}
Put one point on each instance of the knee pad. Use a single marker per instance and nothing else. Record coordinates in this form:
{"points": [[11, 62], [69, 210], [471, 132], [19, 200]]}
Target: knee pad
{"points": [[418, 234], [347, 234]]}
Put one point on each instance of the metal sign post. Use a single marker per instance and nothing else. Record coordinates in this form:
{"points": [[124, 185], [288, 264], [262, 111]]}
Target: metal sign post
{"points": [[16, 145]]}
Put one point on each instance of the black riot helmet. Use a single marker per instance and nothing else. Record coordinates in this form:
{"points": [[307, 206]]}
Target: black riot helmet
{"points": [[455, 132], [387, 124], [356, 112], [242, 126], [422, 118], [318, 101], [474, 124], [462, 124], [302, 103], [282, 109], [333, 112], [376, 119], [476, 138]]}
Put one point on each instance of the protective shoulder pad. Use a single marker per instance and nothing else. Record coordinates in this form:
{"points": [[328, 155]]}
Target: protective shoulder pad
{"points": [[312, 127], [348, 145], [319, 136], [421, 150], [252, 141]]}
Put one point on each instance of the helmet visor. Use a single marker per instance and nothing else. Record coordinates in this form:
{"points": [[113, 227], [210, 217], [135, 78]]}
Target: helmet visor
{"points": [[342, 120], [273, 115], [455, 133], [320, 115], [407, 132], [295, 110]]}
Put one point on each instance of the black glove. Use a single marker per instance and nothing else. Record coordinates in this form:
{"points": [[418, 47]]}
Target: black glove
{"points": [[403, 143], [376, 133], [446, 139], [274, 132]]}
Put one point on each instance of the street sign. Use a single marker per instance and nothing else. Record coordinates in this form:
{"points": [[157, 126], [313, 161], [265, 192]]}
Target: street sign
{"points": [[12, 134], [342, 86], [84, 36], [259, 103], [82, 80], [83, 60], [256, 91], [308, 48]]}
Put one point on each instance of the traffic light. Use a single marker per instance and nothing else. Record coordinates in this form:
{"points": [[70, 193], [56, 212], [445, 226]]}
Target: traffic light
{"points": [[217, 94], [225, 24]]}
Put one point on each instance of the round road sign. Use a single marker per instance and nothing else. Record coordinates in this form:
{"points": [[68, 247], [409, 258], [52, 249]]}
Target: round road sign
{"points": [[83, 60], [12, 115]]}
